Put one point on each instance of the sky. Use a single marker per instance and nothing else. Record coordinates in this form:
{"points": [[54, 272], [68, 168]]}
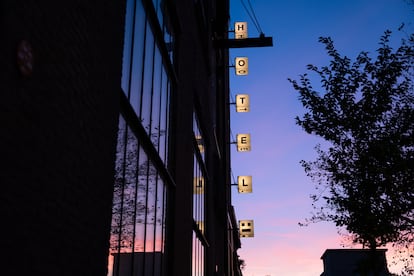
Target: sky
{"points": [[281, 190]]}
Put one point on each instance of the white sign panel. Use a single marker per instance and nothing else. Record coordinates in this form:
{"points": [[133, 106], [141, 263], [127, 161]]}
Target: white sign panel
{"points": [[243, 142], [240, 30], [246, 228], [245, 184], [242, 66], [242, 103], [199, 183]]}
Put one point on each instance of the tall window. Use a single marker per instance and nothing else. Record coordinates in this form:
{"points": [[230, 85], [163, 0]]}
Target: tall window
{"points": [[146, 70], [137, 243], [199, 201], [138, 212]]}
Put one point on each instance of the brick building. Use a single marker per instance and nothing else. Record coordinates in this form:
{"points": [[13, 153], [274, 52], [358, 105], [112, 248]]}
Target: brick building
{"points": [[115, 138]]}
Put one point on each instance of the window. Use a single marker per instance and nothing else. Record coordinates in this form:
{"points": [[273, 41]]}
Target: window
{"points": [[146, 73], [138, 229], [199, 200], [139, 209]]}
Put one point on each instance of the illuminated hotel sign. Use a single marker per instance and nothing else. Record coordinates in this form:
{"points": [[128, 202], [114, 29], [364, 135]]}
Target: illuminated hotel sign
{"points": [[242, 67], [245, 184], [198, 185], [242, 103], [246, 228], [243, 142], [241, 64], [240, 30]]}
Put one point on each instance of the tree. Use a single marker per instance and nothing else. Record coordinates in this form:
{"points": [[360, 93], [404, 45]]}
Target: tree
{"points": [[364, 110]]}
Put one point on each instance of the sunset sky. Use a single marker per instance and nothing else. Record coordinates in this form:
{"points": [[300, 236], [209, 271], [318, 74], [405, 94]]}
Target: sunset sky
{"points": [[281, 190]]}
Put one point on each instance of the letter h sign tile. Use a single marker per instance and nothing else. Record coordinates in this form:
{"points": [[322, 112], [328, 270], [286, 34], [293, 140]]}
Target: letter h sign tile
{"points": [[240, 30]]}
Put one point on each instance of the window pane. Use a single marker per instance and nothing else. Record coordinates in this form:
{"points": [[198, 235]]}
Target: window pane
{"points": [[155, 113], [126, 61], [199, 195], [163, 116], [198, 257], [198, 136], [145, 115], [133, 49], [139, 209], [137, 57]]}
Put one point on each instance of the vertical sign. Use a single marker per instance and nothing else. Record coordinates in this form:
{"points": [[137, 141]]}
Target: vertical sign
{"points": [[198, 185], [243, 142], [242, 103], [245, 184], [246, 228], [242, 67], [240, 30]]}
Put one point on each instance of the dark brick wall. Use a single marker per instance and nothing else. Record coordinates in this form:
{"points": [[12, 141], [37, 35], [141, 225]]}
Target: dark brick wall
{"points": [[58, 134]]}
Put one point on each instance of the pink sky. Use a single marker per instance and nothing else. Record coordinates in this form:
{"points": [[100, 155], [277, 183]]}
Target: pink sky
{"points": [[281, 190]]}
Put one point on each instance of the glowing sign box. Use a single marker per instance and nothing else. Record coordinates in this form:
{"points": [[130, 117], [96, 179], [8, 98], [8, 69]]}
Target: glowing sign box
{"points": [[242, 66], [246, 228], [242, 103], [240, 30], [243, 142]]}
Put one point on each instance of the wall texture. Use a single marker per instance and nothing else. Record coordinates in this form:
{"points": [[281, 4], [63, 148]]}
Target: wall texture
{"points": [[58, 116]]}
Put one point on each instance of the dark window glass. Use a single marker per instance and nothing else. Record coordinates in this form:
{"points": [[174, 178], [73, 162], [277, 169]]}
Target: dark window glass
{"points": [[199, 199], [138, 212], [137, 243]]}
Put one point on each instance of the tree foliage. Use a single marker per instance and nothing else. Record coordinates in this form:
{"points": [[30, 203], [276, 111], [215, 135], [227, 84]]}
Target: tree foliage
{"points": [[364, 110]]}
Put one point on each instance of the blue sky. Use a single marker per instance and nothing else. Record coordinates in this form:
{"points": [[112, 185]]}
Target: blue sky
{"points": [[281, 190]]}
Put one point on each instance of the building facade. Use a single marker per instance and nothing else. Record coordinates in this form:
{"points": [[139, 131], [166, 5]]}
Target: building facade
{"points": [[354, 262], [115, 136]]}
